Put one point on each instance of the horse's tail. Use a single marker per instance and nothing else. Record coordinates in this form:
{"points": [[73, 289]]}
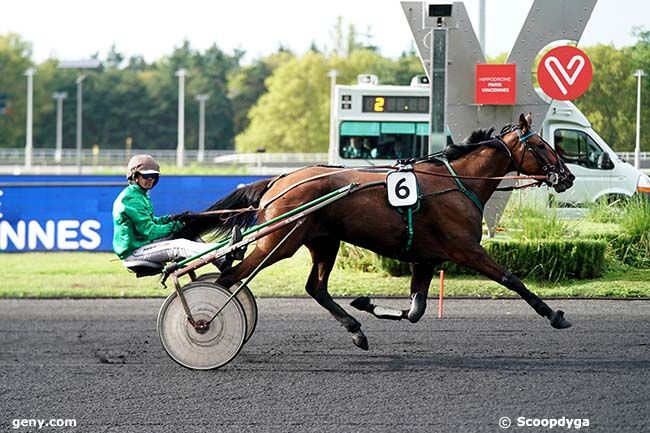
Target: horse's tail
{"points": [[215, 224]]}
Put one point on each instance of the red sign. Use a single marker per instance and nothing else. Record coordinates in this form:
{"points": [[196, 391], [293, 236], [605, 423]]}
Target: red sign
{"points": [[564, 73], [495, 84]]}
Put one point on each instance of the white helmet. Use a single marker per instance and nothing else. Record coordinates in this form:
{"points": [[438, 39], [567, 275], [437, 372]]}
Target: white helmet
{"points": [[142, 164]]}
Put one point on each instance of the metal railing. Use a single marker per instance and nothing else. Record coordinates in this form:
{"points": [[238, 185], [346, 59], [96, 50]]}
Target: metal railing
{"points": [[644, 159], [272, 158], [629, 156], [43, 160], [107, 157], [213, 158]]}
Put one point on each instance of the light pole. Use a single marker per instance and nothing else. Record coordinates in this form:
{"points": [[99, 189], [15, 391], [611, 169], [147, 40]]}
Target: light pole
{"points": [[80, 103], [80, 65], [180, 148], [333, 73], [201, 153], [637, 148], [29, 73], [59, 96]]}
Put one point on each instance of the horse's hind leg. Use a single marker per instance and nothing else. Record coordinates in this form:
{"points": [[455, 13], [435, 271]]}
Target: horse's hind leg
{"points": [[323, 253], [476, 258], [420, 281]]}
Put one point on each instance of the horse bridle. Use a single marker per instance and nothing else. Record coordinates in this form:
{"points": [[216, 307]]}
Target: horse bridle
{"points": [[552, 172]]}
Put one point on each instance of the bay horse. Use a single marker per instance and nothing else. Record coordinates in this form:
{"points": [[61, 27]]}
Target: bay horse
{"points": [[447, 226]]}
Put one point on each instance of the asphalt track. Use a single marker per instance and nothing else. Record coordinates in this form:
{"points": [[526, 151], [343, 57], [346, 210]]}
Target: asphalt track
{"points": [[100, 362]]}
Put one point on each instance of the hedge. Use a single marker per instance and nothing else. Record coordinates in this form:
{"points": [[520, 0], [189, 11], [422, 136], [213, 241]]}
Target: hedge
{"points": [[629, 250], [546, 260], [551, 260]]}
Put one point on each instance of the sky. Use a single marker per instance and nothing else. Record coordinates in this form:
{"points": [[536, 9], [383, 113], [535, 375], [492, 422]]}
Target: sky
{"points": [[75, 29]]}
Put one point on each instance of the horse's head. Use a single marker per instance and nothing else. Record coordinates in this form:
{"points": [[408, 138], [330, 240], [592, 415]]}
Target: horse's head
{"points": [[531, 155]]}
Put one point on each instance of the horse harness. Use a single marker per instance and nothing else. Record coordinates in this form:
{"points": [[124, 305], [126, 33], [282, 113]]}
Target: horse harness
{"points": [[407, 167], [408, 210]]}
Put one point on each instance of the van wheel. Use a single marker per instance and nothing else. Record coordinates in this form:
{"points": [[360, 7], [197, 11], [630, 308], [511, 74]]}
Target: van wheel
{"points": [[617, 200]]}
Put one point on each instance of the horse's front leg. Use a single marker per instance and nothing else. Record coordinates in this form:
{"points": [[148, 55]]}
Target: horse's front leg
{"points": [[420, 281], [476, 258]]}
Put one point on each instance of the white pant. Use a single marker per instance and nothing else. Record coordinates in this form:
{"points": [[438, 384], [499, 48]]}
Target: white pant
{"points": [[164, 251]]}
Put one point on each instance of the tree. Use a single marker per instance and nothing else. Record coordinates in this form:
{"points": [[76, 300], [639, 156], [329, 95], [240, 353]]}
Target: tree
{"points": [[609, 103], [247, 84], [294, 115], [499, 58], [114, 58], [138, 100], [49, 79], [345, 43], [640, 56], [279, 102], [116, 102], [364, 62], [137, 63], [15, 55], [212, 70], [407, 66], [207, 74]]}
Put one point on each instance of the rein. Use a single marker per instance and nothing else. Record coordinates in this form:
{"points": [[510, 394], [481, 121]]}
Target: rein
{"points": [[297, 184], [538, 179], [223, 211], [518, 177], [439, 156]]}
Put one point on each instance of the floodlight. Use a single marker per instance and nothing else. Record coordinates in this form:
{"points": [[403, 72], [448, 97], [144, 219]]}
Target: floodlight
{"points": [[80, 64]]}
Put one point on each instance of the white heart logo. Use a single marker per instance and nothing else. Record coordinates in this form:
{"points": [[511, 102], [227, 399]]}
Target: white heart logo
{"points": [[569, 79]]}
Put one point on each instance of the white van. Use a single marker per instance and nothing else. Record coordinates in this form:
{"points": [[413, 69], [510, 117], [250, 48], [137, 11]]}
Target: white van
{"points": [[599, 172]]}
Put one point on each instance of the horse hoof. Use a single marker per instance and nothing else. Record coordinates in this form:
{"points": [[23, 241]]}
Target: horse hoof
{"points": [[360, 341], [558, 321], [362, 303], [418, 307]]}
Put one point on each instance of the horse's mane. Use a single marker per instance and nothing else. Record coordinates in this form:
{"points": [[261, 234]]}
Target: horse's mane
{"points": [[471, 143], [218, 224], [509, 127]]}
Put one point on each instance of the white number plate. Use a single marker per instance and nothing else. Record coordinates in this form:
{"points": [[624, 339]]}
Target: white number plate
{"points": [[402, 188]]}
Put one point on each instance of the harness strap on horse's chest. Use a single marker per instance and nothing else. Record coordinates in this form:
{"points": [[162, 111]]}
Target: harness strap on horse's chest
{"points": [[409, 228], [461, 186], [407, 215]]}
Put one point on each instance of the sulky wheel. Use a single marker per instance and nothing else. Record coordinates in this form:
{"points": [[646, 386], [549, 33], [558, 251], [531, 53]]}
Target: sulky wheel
{"points": [[208, 348], [245, 297]]}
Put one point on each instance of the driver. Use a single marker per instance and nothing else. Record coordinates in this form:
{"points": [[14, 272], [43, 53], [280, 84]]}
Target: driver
{"points": [[138, 233]]}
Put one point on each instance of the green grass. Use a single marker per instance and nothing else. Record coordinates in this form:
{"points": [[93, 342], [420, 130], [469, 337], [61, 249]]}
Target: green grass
{"points": [[79, 275], [530, 223]]}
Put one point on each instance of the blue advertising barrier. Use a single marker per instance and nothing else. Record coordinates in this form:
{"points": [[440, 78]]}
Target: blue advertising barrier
{"points": [[73, 213]]}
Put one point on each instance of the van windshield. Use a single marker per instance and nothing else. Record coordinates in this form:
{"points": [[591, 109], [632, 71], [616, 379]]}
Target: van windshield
{"points": [[383, 140], [577, 147]]}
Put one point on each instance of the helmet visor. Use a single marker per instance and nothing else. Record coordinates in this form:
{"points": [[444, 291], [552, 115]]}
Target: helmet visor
{"points": [[153, 175]]}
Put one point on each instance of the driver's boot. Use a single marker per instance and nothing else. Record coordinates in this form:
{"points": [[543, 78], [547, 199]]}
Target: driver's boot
{"points": [[224, 263], [236, 237]]}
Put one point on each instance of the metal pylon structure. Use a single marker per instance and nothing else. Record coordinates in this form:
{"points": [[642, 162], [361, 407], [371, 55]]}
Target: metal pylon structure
{"points": [[548, 21]]}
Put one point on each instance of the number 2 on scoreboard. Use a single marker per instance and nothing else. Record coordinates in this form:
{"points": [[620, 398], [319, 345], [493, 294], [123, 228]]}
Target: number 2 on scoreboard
{"points": [[379, 103]]}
